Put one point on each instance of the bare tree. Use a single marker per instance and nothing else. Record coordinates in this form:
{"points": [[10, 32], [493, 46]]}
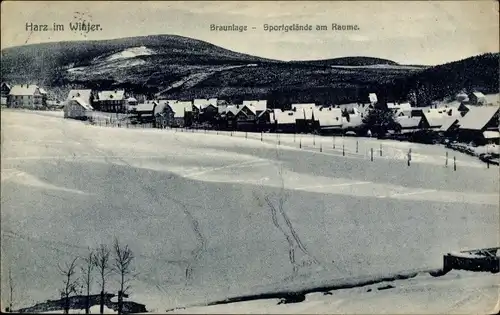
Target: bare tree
{"points": [[102, 263], [70, 283], [122, 266], [87, 273]]}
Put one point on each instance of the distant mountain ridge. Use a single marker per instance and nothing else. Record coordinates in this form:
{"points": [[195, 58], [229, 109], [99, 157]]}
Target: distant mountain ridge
{"points": [[180, 67]]}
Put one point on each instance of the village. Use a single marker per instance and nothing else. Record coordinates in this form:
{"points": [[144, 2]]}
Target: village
{"points": [[470, 118]]}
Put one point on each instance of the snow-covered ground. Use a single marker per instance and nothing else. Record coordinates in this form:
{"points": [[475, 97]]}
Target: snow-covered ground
{"points": [[202, 211], [455, 293]]}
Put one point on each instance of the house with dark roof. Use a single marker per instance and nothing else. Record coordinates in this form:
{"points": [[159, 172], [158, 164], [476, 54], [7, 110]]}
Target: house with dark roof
{"points": [[27, 96], [479, 124]]}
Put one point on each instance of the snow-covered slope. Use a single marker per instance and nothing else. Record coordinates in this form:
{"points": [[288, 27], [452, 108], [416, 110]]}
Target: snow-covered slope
{"points": [[131, 53], [214, 216]]}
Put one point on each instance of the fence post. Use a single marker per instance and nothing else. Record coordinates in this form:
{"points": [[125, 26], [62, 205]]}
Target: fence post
{"points": [[371, 154], [294, 134], [454, 163], [314, 140], [409, 157], [261, 138], [320, 147], [279, 140], [246, 135], [357, 146], [381, 149], [343, 150], [333, 146], [300, 143], [446, 161]]}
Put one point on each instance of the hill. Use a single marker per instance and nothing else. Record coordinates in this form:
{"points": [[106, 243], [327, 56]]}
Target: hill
{"points": [[439, 82], [348, 61], [179, 67]]}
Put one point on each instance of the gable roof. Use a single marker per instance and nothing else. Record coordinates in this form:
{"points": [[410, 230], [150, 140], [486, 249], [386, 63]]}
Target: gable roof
{"points": [[478, 94], [84, 94], [477, 117], [179, 108], [81, 102], [7, 85], [408, 122], [24, 90], [233, 109], [436, 118], [161, 104], [251, 108], [201, 103], [117, 95], [448, 123], [259, 105]]}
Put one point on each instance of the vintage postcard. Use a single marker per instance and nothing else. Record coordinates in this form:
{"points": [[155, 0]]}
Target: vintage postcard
{"points": [[250, 157]]}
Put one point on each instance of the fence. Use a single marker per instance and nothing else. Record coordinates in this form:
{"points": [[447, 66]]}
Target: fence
{"points": [[362, 148]]}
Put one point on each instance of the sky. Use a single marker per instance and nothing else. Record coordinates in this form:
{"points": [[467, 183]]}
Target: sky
{"points": [[414, 32]]}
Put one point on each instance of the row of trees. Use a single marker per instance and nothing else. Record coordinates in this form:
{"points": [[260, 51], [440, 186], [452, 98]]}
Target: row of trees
{"points": [[103, 261]]}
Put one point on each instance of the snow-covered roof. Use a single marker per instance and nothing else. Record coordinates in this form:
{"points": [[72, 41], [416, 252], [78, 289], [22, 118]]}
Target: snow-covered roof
{"points": [[491, 134], [477, 117], [81, 102], [328, 117], [24, 90], [252, 108], [111, 95], [447, 123], [408, 122], [201, 103], [303, 105], [373, 97], [179, 108], [233, 109], [84, 94], [260, 105], [437, 117], [131, 99], [145, 107], [283, 117], [355, 120], [478, 94]]}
